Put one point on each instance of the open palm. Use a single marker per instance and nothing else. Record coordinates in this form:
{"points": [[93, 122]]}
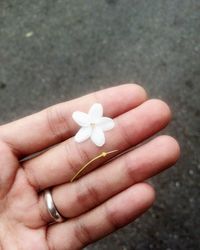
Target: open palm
{"points": [[109, 196]]}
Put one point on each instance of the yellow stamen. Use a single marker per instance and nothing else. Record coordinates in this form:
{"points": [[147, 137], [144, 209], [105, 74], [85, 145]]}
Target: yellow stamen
{"points": [[103, 154], [93, 125]]}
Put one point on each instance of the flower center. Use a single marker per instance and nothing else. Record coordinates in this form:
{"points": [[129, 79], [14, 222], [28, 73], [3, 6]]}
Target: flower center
{"points": [[93, 125]]}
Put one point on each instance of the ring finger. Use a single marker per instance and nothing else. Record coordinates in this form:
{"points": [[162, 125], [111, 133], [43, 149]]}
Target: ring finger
{"points": [[96, 187]]}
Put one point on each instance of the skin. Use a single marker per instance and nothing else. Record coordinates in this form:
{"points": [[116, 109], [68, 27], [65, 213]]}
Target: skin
{"points": [[109, 195]]}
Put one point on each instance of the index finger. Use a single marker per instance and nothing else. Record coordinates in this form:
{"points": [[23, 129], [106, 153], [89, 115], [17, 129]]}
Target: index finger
{"points": [[54, 124]]}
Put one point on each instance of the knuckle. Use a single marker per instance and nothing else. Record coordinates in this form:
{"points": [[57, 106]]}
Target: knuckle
{"points": [[125, 137], [82, 233], [131, 169], [71, 161], [56, 122], [87, 195], [82, 156], [112, 217], [31, 177]]}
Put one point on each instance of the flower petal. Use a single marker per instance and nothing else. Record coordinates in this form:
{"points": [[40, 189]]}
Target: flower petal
{"points": [[106, 123], [81, 118], [95, 112], [98, 136], [83, 134]]}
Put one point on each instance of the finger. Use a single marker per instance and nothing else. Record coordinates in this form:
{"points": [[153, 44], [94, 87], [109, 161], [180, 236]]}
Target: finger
{"points": [[53, 125], [8, 168], [108, 217], [59, 164], [117, 175]]}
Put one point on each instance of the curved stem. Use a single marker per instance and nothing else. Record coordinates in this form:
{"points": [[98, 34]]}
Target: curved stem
{"points": [[103, 154]]}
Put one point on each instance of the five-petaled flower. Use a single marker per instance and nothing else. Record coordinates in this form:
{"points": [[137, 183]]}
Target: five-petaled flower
{"points": [[92, 125]]}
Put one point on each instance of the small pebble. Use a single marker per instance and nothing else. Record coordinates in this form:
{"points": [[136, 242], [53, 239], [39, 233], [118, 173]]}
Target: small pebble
{"points": [[29, 34], [191, 172]]}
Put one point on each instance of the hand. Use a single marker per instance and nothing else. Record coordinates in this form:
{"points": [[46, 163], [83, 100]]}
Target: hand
{"points": [[102, 200]]}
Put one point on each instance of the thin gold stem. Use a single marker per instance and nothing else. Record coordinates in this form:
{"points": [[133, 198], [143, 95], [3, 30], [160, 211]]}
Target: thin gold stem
{"points": [[103, 154]]}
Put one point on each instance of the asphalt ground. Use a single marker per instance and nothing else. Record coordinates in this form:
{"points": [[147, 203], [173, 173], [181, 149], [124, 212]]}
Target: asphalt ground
{"points": [[52, 51]]}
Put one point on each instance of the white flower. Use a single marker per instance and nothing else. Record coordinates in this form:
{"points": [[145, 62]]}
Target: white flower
{"points": [[92, 125]]}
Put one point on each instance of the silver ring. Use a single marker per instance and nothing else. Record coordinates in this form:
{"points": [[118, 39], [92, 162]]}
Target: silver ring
{"points": [[51, 207]]}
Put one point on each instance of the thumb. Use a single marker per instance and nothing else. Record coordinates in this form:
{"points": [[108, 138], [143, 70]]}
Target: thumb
{"points": [[8, 168]]}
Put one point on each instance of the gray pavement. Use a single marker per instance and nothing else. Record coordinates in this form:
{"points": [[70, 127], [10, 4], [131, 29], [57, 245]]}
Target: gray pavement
{"points": [[52, 51]]}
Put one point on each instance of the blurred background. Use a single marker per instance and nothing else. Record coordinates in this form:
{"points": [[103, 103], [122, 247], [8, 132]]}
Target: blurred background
{"points": [[52, 51]]}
